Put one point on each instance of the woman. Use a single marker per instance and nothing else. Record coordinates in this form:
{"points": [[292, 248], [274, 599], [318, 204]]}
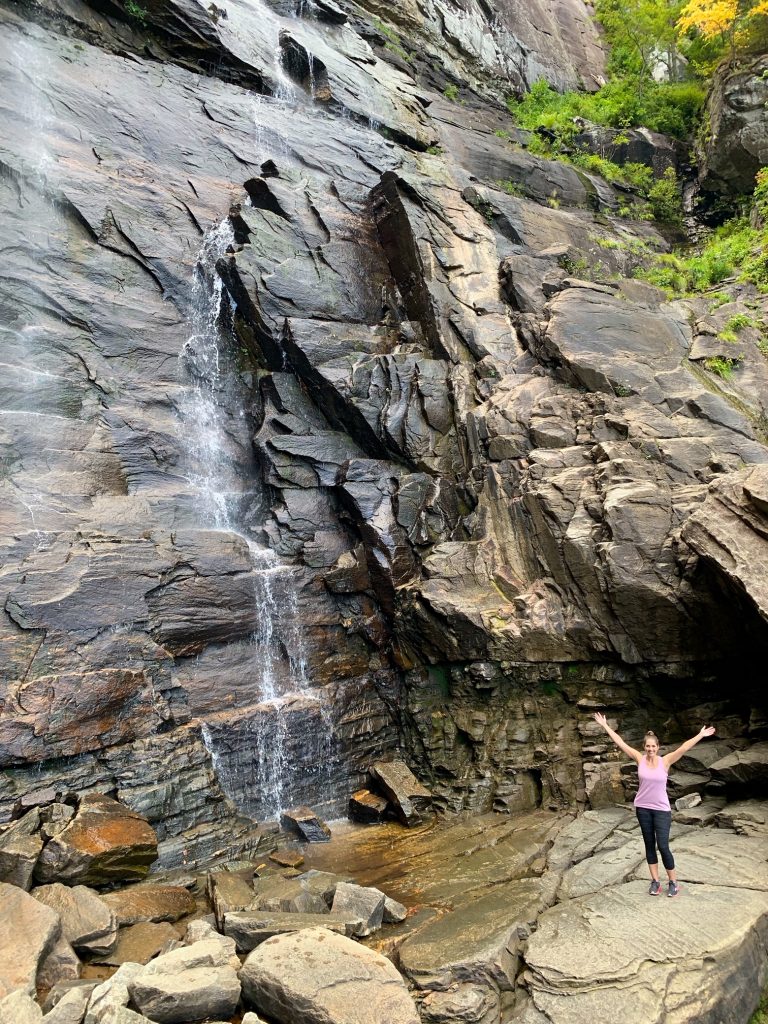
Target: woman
{"points": [[651, 803]]}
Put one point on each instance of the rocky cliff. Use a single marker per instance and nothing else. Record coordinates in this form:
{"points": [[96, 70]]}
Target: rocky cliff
{"points": [[317, 441]]}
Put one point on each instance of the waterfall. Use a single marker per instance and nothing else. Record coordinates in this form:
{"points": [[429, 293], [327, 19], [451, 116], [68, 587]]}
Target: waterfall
{"points": [[278, 752]]}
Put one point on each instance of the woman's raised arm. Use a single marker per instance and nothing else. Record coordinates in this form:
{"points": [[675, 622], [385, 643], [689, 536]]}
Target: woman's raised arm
{"points": [[675, 755], [629, 751]]}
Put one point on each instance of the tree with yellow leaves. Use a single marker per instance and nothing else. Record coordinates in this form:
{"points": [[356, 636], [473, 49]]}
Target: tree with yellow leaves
{"points": [[726, 19]]}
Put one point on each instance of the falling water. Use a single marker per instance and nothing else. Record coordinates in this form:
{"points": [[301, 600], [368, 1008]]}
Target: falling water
{"points": [[280, 746]]}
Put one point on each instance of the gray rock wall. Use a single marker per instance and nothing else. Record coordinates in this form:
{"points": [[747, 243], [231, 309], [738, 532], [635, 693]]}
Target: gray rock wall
{"points": [[485, 481]]}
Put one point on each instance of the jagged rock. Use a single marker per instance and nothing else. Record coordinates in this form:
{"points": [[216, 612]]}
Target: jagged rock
{"points": [[287, 895], [28, 932], [61, 964], [402, 789], [307, 823], [362, 904], [325, 978], [366, 806], [394, 912], [250, 928], [111, 994], [18, 857], [139, 943], [104, 842], [191, 983], [321, 883], [121, 1015], [70, 1006], [201, 930], [684, 803], [251, 1018], [287, 858], [228, 891], [150, 903], [87, 922], [743, 767], [746, 817], [63, 988]]}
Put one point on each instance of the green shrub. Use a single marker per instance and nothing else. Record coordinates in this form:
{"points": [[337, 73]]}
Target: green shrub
{"points": [[721, 366], [669, 107], [760, 195], [738, 322], [135, 11], [665, 199], [451, 92]]}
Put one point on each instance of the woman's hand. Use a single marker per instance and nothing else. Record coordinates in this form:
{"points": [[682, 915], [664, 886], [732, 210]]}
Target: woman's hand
{"points": [[603, 721], [706, 730]]}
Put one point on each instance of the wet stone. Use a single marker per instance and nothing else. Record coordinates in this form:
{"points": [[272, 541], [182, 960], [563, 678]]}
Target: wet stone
{"points": [[287, 858], [366, 807], [365, 905], [309, 825], [410, 798]]}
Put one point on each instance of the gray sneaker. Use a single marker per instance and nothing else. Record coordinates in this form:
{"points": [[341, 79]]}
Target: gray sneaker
{"points": [[655, 888], [673, 890]]}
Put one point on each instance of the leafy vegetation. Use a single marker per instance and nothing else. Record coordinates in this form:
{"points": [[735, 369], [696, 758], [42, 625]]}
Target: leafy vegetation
{"points": [[135, 11], [721, 366], [737, 22], [669, 107], [760, 1016], [451, 92]]}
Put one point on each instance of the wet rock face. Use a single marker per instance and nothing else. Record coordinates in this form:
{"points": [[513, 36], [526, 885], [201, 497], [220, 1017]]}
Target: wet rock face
{"points": [[433, 484]]}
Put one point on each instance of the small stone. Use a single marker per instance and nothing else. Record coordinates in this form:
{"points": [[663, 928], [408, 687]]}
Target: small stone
{"points": [[63, 988], [287, 858], [684, 803], [111, 993], [287, 895], [308, 824], [228, 892]]}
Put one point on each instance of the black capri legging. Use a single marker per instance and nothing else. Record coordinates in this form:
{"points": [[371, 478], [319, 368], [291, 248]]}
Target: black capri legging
{"points": [[655, 826]]}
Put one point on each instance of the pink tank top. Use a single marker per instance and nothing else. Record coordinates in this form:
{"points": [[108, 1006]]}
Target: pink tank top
{"points": [[652, 793]]}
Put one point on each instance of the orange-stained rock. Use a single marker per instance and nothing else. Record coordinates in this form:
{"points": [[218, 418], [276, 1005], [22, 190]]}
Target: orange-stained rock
{"points": [[105, 842]]}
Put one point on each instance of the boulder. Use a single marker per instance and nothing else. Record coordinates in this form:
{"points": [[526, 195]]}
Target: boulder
{"points": [[402, 789], [20, 848], [61, 964], [228, 892], [743, 767], [200, 930], [193, 983], [71, 1007], [309, 826], [105, 842], [28, 932], [366, 806], [111, 994], [139, 943], [63, 988], [321, 883], [150, 903], [251, 928], [362, 904], [87, 923], [287, 895], [319, 977], [19, 1008]]}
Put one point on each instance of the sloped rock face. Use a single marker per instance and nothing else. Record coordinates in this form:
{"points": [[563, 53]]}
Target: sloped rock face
{"points": [[498, 487]]}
